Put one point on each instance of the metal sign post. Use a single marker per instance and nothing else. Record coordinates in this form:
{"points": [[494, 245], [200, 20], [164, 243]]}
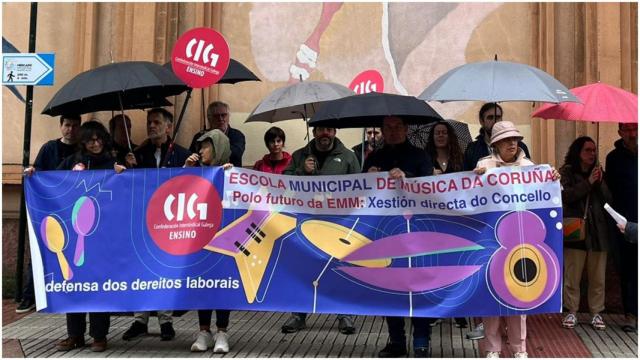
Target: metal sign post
{"points": [[22, 224]]}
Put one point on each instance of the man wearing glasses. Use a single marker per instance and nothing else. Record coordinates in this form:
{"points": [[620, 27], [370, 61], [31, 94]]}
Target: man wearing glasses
{"points": [[152, 155], [218, 118]]}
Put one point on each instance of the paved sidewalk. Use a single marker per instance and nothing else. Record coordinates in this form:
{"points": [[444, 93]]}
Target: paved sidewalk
{"points": [[257, 334]]}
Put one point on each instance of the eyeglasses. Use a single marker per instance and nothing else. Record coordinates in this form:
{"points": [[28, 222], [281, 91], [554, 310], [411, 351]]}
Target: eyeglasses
{"points": [[96, 140], [496, 117], [222, 115]]}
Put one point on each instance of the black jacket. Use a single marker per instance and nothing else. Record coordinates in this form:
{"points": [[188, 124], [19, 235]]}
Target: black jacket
{"points": [[621, 175], [414, 161], [51, 154], [236, 140], [120, 152], [357, 149], [90, 162], [476, 150], [145, 155]]}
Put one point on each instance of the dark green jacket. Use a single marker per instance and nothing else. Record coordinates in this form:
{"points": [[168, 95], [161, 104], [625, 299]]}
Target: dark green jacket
{"points": [[340, 161]]}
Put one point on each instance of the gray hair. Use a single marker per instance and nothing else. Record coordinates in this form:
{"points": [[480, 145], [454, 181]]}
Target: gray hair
{"points": [[215, 104]]}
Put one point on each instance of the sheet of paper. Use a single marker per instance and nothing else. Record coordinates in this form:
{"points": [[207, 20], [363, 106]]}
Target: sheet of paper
{"points": [[615, 215]]}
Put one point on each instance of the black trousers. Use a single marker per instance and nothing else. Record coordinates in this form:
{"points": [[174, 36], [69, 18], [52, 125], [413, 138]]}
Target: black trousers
{"points": [[629, 276], [421, 330], [28, 292], [222, 318], [98, 324]]}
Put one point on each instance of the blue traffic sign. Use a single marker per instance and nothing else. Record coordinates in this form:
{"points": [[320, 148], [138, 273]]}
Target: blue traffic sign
{"points": [[28, 69]]}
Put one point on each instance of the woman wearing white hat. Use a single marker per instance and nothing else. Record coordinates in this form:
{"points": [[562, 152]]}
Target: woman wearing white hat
{"points": [[504, 142]]}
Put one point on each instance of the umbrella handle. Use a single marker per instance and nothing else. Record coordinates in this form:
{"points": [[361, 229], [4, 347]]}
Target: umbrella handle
{"points": [[364, 130], [204, 124], [175, 130], [126, 131]]}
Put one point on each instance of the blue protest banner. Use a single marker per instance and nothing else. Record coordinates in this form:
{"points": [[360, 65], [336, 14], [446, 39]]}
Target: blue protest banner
{"points": [[162, 239]]}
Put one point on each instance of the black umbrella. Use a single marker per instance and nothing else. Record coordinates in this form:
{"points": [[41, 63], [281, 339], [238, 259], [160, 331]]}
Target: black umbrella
{"points": [[368, 110], [236, 72], [116, 86]]}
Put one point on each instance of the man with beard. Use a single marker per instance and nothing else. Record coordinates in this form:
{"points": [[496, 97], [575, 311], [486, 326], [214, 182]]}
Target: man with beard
{"points": [[152, 155], [401, 160], [324, 155], [489, 114], [152, 152]]}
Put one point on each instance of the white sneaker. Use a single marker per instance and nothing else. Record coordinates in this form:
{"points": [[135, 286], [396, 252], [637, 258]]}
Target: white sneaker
{"points": [[521, 354], [493, 354], [203, 342], [222, 343]]}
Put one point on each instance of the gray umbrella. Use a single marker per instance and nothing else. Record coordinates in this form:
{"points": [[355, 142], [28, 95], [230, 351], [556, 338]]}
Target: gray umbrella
{"points": [[497, 81], [300, 100]]}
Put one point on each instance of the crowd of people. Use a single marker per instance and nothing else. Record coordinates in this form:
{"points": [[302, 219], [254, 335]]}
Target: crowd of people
{"points": [[586, 187]]}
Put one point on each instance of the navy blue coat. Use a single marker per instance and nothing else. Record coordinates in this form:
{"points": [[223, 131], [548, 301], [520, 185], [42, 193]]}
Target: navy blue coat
{"points": [[145, 155], [51, 154]]}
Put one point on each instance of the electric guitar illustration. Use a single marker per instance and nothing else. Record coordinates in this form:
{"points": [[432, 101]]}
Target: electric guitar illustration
{"points": [[250, 240]]}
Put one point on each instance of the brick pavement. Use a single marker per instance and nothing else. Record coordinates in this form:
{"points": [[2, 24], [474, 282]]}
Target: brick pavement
{"points": [[257, 334]]}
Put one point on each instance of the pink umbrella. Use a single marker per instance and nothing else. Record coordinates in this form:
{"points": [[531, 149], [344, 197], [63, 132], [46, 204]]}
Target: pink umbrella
{"points": [[600, 103]]}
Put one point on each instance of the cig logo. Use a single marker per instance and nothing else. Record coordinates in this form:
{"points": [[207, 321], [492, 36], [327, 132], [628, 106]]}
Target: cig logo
{"points": [[366, 82], [208, 57], [184, 214], [365, 88], [190, 207]]}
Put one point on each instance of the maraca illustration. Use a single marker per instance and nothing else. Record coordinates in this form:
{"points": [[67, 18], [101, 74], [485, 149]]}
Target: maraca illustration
{"points": [[53, 236], [83, 219]]}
